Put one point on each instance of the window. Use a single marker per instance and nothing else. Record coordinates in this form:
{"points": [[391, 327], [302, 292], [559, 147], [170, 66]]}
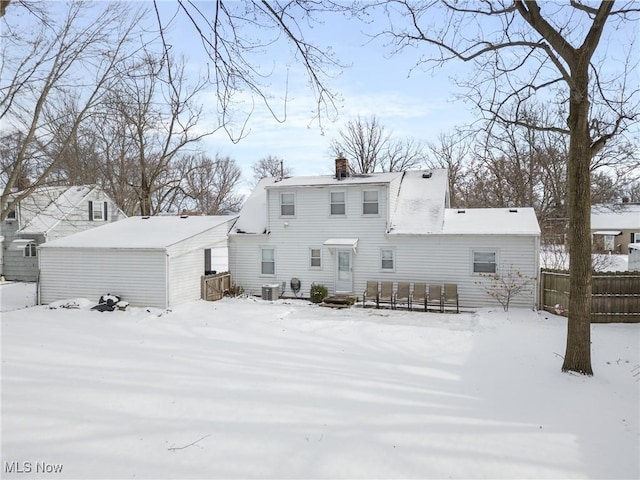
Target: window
{"points": [[338, 203], [315, 258], [97, 211], [287, 204], [484, 262], [370, 202], [12, 212], [387, 259], [635, 237], [268, 261], [30, 250]]}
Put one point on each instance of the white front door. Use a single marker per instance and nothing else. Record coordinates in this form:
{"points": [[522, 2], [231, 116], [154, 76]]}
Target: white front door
{"points": [[344, 275], [609, 243]]}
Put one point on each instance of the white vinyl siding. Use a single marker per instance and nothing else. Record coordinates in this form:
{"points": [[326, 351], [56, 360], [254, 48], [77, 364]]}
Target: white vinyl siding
{"points": [[337, 202], [90, 273], [370, 202]]}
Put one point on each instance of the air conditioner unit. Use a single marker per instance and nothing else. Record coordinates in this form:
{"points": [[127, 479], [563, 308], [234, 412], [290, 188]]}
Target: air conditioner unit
{"points": [[270, 292]]}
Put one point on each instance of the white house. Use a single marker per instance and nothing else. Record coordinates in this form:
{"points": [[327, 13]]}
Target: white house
{"points": [[148, 261], [46, 214], [634, 257], [615, 226], [344, 230]]}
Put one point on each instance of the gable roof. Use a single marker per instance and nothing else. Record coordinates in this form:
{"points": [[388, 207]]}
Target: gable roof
{"points": [[252, 218], [491, 221], [59, 201], [141, 232], [624, 216], [420, 206], [421, 203]]}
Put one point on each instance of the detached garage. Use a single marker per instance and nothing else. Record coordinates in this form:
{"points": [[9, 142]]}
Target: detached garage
{"points": [[148, 261]]}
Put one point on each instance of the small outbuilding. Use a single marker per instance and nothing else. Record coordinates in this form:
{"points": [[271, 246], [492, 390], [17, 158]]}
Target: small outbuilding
{"points": [[147, 261]]}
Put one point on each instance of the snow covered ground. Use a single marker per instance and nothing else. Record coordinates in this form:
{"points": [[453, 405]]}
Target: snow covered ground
{"points": [[243, 388]]}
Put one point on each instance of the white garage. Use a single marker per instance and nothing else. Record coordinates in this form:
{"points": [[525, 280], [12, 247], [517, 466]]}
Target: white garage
{"points": [[147, 261]]}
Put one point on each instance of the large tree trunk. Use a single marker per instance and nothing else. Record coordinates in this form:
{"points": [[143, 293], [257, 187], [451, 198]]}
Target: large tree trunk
{"points": [[578, 353]]}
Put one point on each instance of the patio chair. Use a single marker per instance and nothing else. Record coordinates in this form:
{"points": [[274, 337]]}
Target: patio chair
{"points": [[370, 292], [434, 297], [419, 295], [403, 294], [386, 294], [450, 296]]}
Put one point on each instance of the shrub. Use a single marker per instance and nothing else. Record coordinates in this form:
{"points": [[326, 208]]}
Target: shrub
{"points": [[318, 293]]}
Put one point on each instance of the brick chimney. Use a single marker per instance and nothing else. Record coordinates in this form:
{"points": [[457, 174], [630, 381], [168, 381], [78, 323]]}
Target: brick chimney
{"points": [[342, 167]]}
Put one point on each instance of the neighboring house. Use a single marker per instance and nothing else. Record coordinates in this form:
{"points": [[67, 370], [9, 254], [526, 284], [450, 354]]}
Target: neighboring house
{"points": [[46, 214], [615, 226], [147, 261], [634, 257], [344, 230]]}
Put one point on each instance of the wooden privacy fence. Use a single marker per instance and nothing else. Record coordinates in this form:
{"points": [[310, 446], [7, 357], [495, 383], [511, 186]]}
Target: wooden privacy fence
{"points": [[213, 287], [614, 297]]}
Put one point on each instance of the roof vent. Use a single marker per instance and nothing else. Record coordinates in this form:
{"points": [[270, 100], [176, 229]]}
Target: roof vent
{"points": [[513, 210], [146, 218], [427, 174], [462, 211], [184, 216]]}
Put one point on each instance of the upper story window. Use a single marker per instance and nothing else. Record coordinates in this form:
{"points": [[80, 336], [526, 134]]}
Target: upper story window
{"points": [[12, 212], [338, 203], [98, 211], [484, 262], [287, 204], [370, 202], [30, 250]]}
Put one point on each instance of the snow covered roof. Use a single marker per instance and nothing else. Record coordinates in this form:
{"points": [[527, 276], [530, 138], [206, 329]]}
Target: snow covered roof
{"points": [[59, 201], [624, 216], [318, 180], [253, 215], [141, 232], [491, 221], [421, 203]]}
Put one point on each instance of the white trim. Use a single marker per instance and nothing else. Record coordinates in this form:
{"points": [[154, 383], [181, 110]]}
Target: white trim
{"points": [[377, 190], [342, 243], [473, 261], [274, 261], [344, 203], [311, 257], [393, 259], [608, 232]]}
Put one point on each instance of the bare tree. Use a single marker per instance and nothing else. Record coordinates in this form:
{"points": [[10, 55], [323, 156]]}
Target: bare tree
{"points": [[453, 152], [210, 185], [524, 49], [227, 34], [269, 166], [43, 70], [154, 108], [363, 142], [370, 147]]}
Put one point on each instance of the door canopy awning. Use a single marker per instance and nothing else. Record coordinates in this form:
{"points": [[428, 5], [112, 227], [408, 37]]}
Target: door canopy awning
{"points": [[607, 232], [342, 243], [20, 243]]}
